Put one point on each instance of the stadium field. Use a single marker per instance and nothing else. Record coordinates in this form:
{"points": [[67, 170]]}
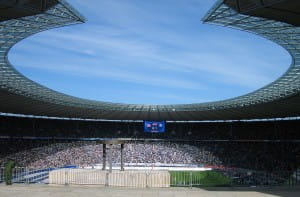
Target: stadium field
{"points": [[201, 179]]}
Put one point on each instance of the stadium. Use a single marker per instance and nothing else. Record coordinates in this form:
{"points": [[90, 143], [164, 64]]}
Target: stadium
{"points": [[55, 138]]}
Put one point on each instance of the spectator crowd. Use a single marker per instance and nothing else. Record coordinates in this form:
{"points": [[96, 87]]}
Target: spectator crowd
{"points": [[268, 156]]}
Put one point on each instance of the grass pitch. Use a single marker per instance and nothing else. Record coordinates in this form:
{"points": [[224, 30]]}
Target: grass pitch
{"points": [[201, 179]]}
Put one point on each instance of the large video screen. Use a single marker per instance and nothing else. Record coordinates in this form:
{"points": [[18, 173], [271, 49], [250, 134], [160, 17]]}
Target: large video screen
{"points": [[154, 126]]}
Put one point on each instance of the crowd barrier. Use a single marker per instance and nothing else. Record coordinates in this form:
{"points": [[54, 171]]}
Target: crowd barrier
{"points": [[149, 178], [138, 179], [77, 176]]}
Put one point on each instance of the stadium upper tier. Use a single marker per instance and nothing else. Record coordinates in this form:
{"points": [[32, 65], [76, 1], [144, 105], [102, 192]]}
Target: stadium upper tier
{"points": [[276, 20]]}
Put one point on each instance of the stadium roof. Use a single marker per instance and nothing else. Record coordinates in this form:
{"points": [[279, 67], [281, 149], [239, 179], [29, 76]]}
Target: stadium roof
{"points": [[276, 20]]}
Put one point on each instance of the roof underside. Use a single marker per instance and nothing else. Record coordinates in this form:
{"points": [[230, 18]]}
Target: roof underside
{"points": [[13, 9], [287, 11], [276, 20]]}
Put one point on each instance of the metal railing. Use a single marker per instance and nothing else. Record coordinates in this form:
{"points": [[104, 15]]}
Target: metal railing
{"points": [[214, 178], [233, 178], [27, 175], [185, 179]]}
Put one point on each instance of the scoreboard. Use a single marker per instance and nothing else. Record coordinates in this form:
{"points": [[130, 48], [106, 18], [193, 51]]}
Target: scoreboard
{"points": [[154, 126]]}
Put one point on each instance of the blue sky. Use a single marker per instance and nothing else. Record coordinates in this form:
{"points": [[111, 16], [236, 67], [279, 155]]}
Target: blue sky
{"points": [[149, 52]]}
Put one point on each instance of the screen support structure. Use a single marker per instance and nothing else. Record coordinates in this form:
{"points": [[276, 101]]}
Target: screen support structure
{"points": [[110, 158], [122, 157], [109, 155], [104, 157]]}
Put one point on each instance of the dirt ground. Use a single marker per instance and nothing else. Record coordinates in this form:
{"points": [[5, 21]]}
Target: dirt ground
{"points": [[40, 190]]}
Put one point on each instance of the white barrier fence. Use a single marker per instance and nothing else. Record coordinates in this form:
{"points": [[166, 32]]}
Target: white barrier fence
{"points": [[77, 176], [148, 178], [138, 179]]}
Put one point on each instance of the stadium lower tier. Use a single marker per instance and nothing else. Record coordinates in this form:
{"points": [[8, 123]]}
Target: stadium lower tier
{"points": [[258, 156], [258, 147]]}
